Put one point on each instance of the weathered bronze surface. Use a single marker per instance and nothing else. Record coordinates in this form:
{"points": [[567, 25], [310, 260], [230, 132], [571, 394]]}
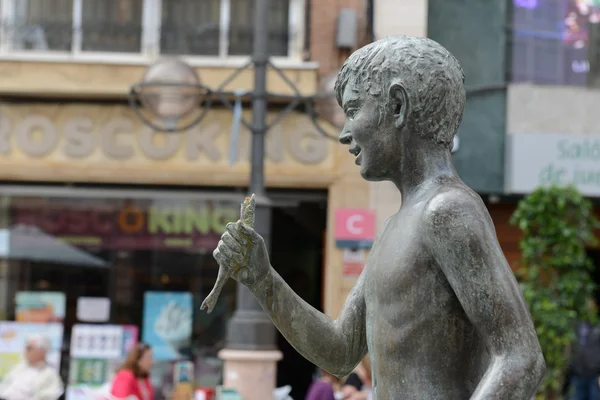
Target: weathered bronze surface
{"points": [[437, 307]]}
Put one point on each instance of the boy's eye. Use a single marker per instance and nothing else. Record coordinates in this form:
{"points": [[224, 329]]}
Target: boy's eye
{"points": [[351, 112]]}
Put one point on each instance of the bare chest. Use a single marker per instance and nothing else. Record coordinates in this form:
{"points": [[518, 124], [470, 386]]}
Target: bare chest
{"points": [[402, 282]]}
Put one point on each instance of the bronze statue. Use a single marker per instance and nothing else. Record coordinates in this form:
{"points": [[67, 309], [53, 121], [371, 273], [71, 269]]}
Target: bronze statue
{"points": [[247, 218], [437, 307]]}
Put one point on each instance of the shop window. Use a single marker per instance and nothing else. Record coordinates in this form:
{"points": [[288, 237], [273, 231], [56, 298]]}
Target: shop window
{"points": [[193, 27], [112, 26], [41, 25], [206, 28], [241, 33], [74, 25], [129, 252], [550, 40]]}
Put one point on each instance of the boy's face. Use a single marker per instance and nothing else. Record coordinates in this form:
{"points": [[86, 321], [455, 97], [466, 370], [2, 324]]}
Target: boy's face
{"points": [[371, 138]]}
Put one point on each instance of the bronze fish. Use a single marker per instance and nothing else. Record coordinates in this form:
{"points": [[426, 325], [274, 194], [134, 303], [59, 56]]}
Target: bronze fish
{"points": [[247, 217]]}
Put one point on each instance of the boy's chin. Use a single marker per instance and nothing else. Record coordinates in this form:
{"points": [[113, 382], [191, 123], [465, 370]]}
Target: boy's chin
{"points": [[371, 175]]}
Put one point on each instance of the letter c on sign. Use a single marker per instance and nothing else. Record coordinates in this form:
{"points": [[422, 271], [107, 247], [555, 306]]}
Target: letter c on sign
{"points": [[352, 222]]}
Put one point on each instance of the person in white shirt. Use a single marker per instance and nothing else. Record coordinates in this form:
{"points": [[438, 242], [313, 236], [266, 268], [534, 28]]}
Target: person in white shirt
{"points": [[34, 378]]}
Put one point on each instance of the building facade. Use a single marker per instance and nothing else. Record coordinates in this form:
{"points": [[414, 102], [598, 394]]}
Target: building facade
{"points": [[118, 211], [147, 208], [531, 91], [551, 128]]}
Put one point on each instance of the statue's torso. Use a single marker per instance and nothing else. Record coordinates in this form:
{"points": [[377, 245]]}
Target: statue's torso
{"points": [[421, 344]]}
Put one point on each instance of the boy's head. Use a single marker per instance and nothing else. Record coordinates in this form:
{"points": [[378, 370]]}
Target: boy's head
{"points": [[397, 86]]}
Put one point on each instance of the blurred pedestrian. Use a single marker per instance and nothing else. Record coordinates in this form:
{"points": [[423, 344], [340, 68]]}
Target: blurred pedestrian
{"points": [[34, 378], [132, 381], [323, 388], [584, 365], [358, 384]]}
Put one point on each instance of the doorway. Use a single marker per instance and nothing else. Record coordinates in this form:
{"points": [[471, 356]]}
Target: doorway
{"points": [[297, 254]]}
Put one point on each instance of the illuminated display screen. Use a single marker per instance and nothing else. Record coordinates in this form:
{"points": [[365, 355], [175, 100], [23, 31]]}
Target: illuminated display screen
{"points": [[550, 40]]}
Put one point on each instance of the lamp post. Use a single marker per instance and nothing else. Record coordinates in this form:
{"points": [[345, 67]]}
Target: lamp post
{"points": [[250, 328], [170, 93]]}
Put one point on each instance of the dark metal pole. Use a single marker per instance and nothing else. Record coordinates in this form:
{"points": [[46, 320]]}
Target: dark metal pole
{"points": [[250, 328]]}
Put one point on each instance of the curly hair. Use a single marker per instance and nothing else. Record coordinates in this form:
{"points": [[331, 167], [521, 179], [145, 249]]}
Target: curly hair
{"points": [[431, 75]]}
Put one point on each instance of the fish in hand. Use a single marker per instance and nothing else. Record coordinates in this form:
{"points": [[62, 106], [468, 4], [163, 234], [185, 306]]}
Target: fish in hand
{"points": [[247, 217]]}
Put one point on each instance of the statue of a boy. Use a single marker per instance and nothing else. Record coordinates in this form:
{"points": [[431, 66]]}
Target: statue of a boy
{"points": [[437, 307]]}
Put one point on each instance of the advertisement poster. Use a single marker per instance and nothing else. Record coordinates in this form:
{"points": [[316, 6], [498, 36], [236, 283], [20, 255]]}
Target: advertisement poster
{"points": [[13, 338], [97, 341], [130, 338], [90, 377], [93, 309], [167, 325], [87, 372], [551, 40], [183, 380], [40, 307]]}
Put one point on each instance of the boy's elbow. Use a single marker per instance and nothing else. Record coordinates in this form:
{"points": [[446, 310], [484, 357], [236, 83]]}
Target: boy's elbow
{"points": [[342, 371], [531, 365], [539, 366]]}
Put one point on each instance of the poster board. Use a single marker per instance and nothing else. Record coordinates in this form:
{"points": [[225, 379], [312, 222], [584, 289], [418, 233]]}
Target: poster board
{"points": [[13, 339], [167, 326], [40, 307], [93, 309], [97, 351]]}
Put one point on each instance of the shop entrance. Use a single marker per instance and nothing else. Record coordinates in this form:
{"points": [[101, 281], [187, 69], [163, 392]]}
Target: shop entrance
{"points": [[297, 254], [143, 250]]}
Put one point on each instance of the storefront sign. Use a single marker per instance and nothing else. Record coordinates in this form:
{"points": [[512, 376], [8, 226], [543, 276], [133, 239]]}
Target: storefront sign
{"points": [[354, 262], [128, 225], [118, 139], [354, 228], [109, 143], [552, 159]]}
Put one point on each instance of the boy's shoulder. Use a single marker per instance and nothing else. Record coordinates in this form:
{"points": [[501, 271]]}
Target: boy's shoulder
{"points": [[455, 206]]}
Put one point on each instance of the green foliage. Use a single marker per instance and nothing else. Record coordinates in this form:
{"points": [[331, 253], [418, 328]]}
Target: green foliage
{"points": [[555, 274]]}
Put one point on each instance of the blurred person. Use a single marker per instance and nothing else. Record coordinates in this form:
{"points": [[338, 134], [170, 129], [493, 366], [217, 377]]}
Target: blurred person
{"points": [[323, 388], [34, 378], [132, 381], [359, 380], [584, 366], [351, 386]]}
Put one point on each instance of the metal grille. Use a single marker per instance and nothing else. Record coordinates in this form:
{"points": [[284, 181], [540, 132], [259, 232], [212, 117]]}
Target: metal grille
{"points": [[112, 26]]}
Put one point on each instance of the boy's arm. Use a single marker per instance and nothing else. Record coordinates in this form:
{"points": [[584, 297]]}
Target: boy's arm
{"points": [[336, 346], [460, 236]]}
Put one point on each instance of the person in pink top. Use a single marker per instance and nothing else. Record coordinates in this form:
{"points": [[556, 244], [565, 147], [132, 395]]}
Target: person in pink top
{"points": [[132, 380]]}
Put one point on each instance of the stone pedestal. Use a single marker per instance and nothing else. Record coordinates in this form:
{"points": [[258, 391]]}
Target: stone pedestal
{"points": [[252, 373]]}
